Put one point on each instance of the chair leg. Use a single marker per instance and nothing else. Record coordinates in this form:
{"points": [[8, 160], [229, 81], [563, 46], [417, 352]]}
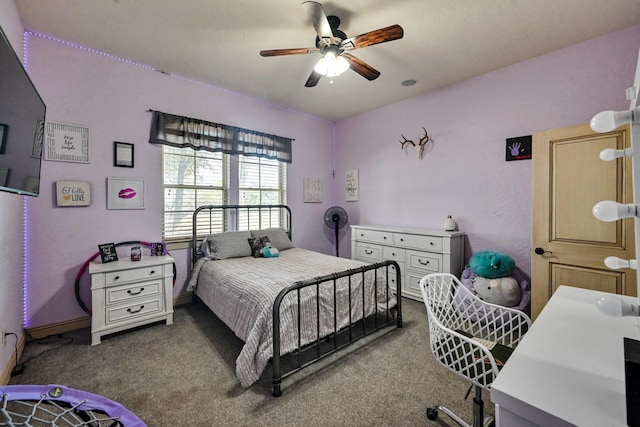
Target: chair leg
{"points": [[479, 419]]}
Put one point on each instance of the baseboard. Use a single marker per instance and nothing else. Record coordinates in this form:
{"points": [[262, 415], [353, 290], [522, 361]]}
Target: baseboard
{"points": [[6, 373], [58, 328], [84, 322]]}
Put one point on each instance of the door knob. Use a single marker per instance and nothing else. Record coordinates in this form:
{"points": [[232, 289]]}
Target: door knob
{"points": [[541, 251]]}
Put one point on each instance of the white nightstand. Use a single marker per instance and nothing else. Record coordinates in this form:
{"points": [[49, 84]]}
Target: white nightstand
{"points": [[126, 294]]}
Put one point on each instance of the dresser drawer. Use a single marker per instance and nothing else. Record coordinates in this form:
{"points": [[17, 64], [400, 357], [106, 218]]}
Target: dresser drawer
{"points": [[393, 276], [424, 261], [120, 294], [375, 236], [366, 252], [133, 274], [429, 243], [123, 312], [394, 254]]}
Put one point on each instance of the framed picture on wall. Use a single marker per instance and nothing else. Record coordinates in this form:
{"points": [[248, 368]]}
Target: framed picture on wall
{"points": [[352, 185], [67, 143], [122, 154], [125, 193]]}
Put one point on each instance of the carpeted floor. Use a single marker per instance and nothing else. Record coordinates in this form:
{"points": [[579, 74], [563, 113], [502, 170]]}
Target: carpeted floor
{"points": [[184, 375]]}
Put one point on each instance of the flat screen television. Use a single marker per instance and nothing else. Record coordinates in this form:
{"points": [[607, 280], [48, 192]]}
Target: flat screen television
{"points": [[22, 119]]}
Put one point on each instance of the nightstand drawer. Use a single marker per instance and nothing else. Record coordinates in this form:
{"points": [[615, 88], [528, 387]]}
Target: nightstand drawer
{"points": [[375, 236], [119, 313], [429, 243], [124, 276], [123, 293], [429, 263], [367, 252]]}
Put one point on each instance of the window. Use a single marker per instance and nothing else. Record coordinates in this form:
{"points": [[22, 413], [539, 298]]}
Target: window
{"points": [[261, 182], [190, 179], [194, 178]]}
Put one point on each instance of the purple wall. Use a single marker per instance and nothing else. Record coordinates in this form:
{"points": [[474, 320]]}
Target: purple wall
{"points": [[111, 98], [465, 173]]}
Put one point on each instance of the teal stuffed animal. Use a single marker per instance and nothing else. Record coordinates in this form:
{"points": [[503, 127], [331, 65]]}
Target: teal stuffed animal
{"points": [[269, 252], [492, 265]]}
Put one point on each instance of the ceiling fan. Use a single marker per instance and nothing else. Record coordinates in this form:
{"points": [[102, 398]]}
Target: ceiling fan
{"points": [[334, 46]]}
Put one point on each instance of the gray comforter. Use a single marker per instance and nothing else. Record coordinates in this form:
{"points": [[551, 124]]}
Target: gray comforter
{"points": [[241, 292]]}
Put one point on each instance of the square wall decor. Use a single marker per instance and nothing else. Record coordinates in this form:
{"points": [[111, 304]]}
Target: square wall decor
{"points": [[125, 193], [73, 193], [67, 143]]}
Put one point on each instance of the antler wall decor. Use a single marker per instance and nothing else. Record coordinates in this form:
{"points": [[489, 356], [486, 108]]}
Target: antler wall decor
{"points": [[420, 145]]}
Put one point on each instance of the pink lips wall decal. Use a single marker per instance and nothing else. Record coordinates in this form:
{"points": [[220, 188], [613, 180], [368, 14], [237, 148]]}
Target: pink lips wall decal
{"points": [[127, 193]]}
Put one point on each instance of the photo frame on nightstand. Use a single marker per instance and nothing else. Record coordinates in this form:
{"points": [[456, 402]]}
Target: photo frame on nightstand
{"points": [[108, 252]]}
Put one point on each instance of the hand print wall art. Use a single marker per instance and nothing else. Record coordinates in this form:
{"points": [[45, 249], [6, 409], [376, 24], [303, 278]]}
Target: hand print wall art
{"points": [[519, 148]]}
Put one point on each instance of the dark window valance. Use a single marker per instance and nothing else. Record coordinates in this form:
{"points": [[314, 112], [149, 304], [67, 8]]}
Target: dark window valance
{"points": [[179, 131]]}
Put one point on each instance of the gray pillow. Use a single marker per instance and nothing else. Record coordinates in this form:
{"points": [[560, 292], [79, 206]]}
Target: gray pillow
{"points": [[277, 236], [232, 244]]}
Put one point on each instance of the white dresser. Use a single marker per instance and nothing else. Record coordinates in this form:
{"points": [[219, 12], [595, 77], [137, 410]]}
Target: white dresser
{"points": [[126, 294], [417, 251]]}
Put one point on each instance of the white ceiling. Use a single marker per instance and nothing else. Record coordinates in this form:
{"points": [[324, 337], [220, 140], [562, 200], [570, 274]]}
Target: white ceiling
{"points": [[218, 41]]}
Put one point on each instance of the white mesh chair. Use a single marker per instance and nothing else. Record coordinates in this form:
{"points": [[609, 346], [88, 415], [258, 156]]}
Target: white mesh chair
{"points": [[470, 337]]}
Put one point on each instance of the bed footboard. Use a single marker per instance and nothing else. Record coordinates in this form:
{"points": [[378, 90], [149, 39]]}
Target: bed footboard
{"points": [[359, 325]]}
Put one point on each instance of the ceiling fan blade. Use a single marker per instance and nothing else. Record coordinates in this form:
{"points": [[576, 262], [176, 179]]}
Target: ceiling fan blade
{"points": [[313, 79], [282, 52], [319, 19], [361, 67], [387, 34]]}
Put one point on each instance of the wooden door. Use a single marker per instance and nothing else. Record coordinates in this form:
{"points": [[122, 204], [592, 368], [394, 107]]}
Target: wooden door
{"points": [[569, 243]]}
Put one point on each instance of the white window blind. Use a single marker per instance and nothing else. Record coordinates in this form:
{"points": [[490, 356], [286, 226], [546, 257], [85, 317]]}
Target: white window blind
{"points": [[191, 179]]}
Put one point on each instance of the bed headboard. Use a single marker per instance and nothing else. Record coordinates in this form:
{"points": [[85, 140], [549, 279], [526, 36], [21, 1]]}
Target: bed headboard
{"points": [[210, 219]]}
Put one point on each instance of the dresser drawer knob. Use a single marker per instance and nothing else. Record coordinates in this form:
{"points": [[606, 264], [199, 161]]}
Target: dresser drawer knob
{"points": [[135, 293], [368, 252], [384, 237], [135, 311], [401, 239], [116, 278], [423, 263], [431, 243], [152, 273]]}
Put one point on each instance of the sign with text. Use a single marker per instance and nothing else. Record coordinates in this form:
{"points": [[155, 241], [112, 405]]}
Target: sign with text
{"points": [[73, 193]]}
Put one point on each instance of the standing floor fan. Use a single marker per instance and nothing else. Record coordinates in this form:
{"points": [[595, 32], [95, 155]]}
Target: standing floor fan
{"points": [[336, 218]]}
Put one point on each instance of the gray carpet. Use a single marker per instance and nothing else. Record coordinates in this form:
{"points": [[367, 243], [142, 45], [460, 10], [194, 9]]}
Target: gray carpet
{"points": [[184, 375]]}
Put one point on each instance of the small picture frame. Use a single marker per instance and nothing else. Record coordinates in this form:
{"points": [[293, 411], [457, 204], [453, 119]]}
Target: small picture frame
{"points": [[158, 248], [108, 252], [123, 154], [4, 130]]}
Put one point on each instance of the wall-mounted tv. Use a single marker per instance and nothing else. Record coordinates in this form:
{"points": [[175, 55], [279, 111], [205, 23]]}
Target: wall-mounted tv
{"points": [[22, 119]]}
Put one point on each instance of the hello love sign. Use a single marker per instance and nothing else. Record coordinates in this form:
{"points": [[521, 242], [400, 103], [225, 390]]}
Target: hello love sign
{"points": [[73, 193]]}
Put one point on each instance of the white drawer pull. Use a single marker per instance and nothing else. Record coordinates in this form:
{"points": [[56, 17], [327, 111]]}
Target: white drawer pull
{"points": [[135, 311], [135, 293], [423, 263]]}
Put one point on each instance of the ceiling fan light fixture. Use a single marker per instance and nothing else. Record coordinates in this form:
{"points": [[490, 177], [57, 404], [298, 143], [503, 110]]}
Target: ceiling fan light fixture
{"points": [[331, 65]]}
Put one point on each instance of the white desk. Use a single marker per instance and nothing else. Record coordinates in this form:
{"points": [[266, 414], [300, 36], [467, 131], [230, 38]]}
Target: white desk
{"points": [[569, 368]]}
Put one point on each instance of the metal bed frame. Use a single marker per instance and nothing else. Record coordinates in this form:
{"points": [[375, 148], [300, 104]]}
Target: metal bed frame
{"points": [[305, 355]]}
